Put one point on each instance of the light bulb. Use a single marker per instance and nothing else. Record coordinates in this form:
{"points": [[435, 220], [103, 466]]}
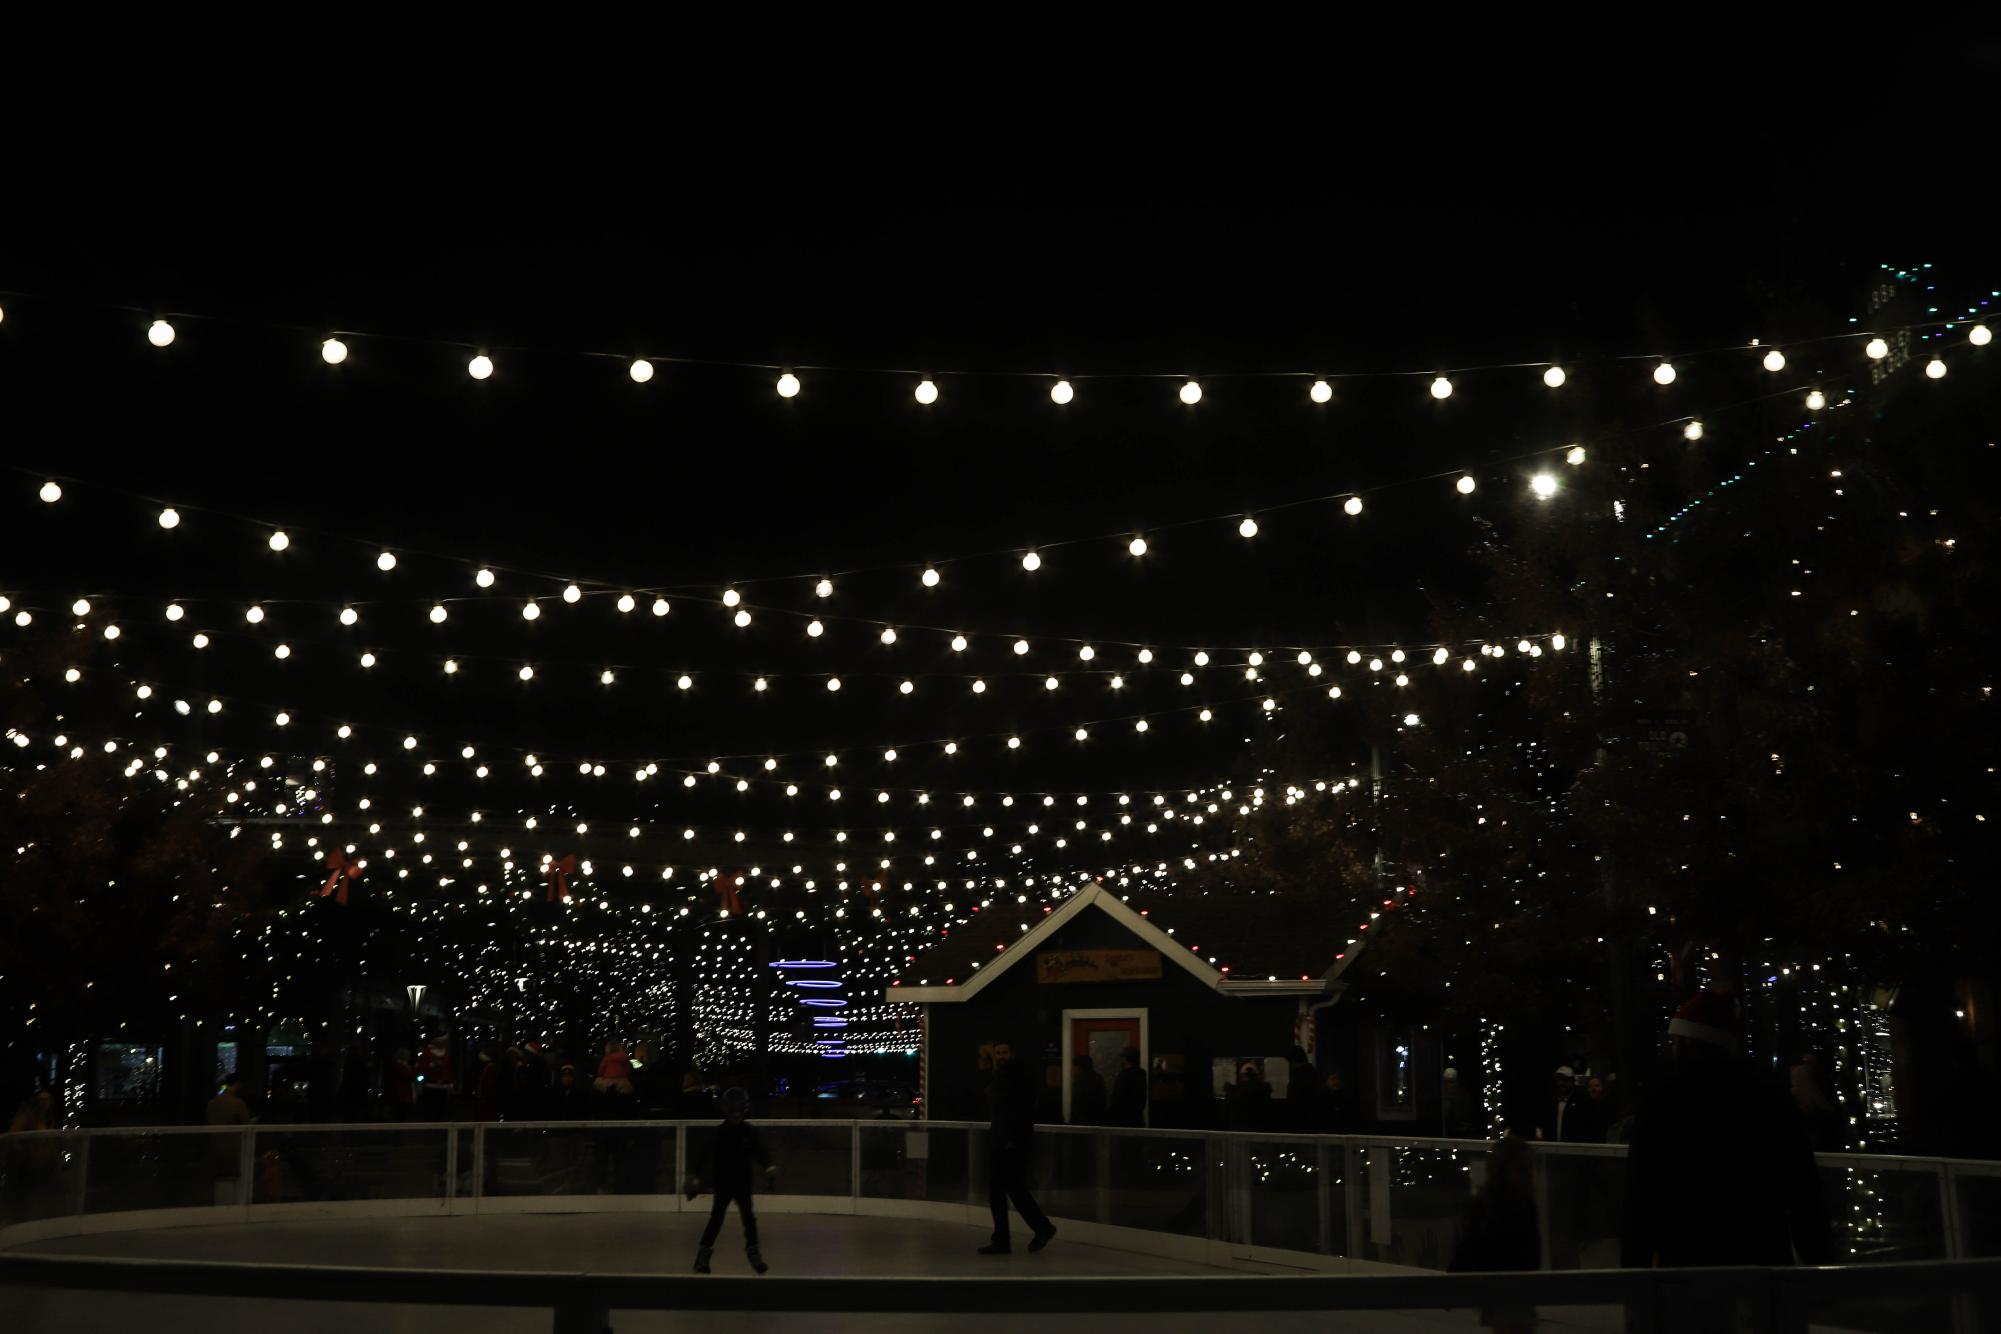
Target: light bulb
{"points": [[1410, 720], [51, 492], [1441, 388], [531, 611], [1061, 392], [906, 688], [571, 593], [174, 611], [438, 615], [833, 683], [888, 635], [1877, 349], [1353, 505], [159, 333], [201, 641], [742, 618], [1664, 373], [641, 370], [788, 385], [255, 615], [282, 652], [80, 607], [958, 643], [1137, 546], [660, 606], [1438, 658], [1466, 485], [1692, 431], [926, 392], [606, 677], [1980, 335], [1543, 484], [1321, 392], [1248, 528], [170, 518], [333, 352], [1815, 400], [1031, 562], [685, 682], [929, 578], [814, 629], [625, 602], [1775, 360], [1554, 377], [386, 561], [1557, 642], [527, 673], [1574, 455], [1087, 653], [1934, 369], [1191, 393]]}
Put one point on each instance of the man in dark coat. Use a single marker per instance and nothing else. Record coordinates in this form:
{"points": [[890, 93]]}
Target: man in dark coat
{"points": [[1128, 1105], [733, 1151], [1720, 1171], [1010, 1141]]}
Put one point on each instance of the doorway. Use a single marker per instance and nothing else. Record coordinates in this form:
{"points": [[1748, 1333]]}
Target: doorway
{"points": [[1102, 1035]]}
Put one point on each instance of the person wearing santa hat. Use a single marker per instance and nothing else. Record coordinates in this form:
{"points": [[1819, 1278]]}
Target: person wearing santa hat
{"points": [[1720, 1171]]}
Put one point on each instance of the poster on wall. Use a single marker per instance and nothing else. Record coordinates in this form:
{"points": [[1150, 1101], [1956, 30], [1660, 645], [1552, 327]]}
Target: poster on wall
{"points": [[1062, 966]]}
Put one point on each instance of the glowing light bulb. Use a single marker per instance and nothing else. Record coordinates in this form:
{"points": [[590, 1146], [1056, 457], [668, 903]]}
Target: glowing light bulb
{"points": [[1137, 546], [1980, 335], [159, 333], [1574, 455], [170, 518], [742, 618], [438, 615], [1441, 388], [1321, 392], [929, 578], [660, 606], [1557, 642], [606, 677], [484, 578], [1664, 373], [1061, 392], [788, 385], [685, 682], [1410, 720], [1140, 726], [1554, 377], [979, 687], [626, 602], [201, 641], [1543, 484], [51, 492], [1014, 743], [906, 688], [1353, 505], [254, 615], [480, 367], [1191, 393], [531, 611], [1775, 360], [1876, 349], [1031, 562], [80, 607], [1934, 369], [1248, 528], [175, 611], [572, 593], [833, 683], [641, 370], [386, 561], [888, 635], [926, 392], [1438, 658], [1466, 484], [1815, 400], [814, 629], [1692, 431]]}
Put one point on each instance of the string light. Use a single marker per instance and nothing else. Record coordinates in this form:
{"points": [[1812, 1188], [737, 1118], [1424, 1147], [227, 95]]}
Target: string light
{"points": [[1554, 377], [1321, 392], [641, 370], [572, 593], [386, 561], [1935, 369], [170, 518], [1137, 546], [1031, 562], [929, 578], [1441, 388], [1775, 360], [531, 611], [1877, 349], [1061, 392], [1466, 484], [1664, 373], [1543, 484], [278, 541], [1574, 456], [333, 352], [1191, 393], [1980, 335], [1353, 505], [1815, 400], [660, 606], [159, 333], [1692, 431], [484, 578], [788, 385], [927, 392], [51, 492], [1248, 528]]}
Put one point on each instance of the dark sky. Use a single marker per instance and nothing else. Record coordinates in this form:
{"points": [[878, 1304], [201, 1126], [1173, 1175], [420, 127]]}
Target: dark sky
{"points": [[704, 477]]}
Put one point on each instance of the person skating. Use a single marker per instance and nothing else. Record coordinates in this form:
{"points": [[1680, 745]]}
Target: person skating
{"points": [[736, 1146], [1009, 1142]]}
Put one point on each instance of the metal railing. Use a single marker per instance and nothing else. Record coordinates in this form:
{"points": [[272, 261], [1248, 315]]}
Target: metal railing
{"points": [[1364, 1198]]}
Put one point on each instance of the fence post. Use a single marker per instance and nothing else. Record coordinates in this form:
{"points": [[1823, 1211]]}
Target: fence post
{"points": [[246, 1167], [1353, 1184], [451, 1169], [1322, 1171], [1103, 1142], [680, 1166], [478, 1163]]}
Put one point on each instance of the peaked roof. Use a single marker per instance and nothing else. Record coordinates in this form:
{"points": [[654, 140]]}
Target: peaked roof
{"points": [[1231, 944]]}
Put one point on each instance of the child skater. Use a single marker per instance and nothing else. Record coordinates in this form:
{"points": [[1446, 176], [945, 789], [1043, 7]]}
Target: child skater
{"points": [[735, 1148]]}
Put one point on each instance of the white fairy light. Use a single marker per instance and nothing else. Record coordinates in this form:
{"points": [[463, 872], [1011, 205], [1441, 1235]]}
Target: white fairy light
{"points": [[531, 611], [278, 541], [1321, 392], [814, 629], [1664, 373], [641, 370], [438, 615], [1137, 546], [926, 392], [480, 367], [1021, 648], [332, 351], [1876, 349], [386, 561], [833, 683], [1574, 455], [484, 578], [1248, 528], [1466, 484], [660, 606], [1775, 360], [958, 643], [1353, 505], [80, 607], [572, 593], [1815, 400], [51, 492], [929, 578], [159, 333], [742, 618], [1191, 393], [1980, 335], [1061, 392], [788, 385], [170, 518], [888, 635], [1543, 484], [1692, 431], [1031, 562], [1935, 369], [1554, 377], [175, 611], [824, 589], [1441, 388], [254, 615], [1087, 653], [626, 602]]}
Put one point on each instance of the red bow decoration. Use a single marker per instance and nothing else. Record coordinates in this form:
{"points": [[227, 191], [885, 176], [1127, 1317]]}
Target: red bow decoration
{"points": [[727, 897], [558, 876], [339, 872]]}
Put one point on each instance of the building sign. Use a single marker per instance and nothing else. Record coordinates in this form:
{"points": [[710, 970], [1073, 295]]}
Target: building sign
{"points": [[1097, 966], [1663, 733]]}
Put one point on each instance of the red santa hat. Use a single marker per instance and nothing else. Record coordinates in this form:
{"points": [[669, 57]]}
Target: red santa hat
{"points": [[1707, 1016]]}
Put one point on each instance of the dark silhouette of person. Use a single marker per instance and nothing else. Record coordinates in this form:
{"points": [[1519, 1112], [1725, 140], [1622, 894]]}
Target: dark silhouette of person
{"points": [[1501, 1230], [1128, 1102], [1302, 1092], [1557, 1122], [1720, 1171], [1247, 1103], [1087, 1093], [571, 1098], [1010, 1143], [733, 1151]]}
